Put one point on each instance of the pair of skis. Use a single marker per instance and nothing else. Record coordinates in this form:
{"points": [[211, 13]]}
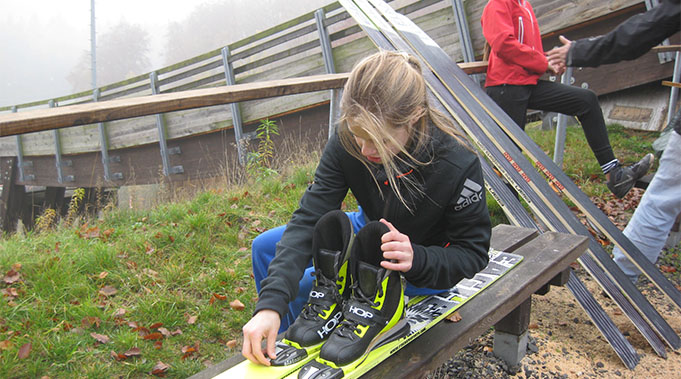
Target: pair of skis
{"points": [[421, 313], [489, 127]]}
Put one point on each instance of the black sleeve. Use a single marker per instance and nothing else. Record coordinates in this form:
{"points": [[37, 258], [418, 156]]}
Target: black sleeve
{"points": [[629, 40], [294, 251], [468, 235]]}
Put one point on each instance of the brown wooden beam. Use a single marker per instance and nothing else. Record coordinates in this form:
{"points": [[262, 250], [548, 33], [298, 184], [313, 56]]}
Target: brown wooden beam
{"points": [[83, 114], [666, 48]]}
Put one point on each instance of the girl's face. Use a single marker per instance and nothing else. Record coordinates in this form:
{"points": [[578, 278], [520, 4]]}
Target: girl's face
{"points": [[369, 150]]}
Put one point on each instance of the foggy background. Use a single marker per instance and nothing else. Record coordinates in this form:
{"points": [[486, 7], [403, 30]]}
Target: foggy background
{"points": [[45, 44]]}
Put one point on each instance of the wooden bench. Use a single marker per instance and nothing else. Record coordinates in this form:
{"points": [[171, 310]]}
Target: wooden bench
{"points": [[504, 304]]}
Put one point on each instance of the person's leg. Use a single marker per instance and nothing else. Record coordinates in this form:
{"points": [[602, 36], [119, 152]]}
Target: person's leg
{"points": [[576, 101], [263, 249], [655, 214], [513, 100], [584, 104]]}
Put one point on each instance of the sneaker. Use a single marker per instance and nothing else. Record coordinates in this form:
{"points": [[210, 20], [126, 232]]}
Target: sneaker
{"points": [[622, 179], [374, 314], [331, 241]]}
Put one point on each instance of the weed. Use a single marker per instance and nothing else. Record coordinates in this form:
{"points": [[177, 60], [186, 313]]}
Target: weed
{"points": [[259, 162]]}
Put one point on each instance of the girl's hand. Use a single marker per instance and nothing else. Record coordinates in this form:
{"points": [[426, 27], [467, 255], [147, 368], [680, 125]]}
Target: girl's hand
{"points": [[264, 324], [397, 250]]}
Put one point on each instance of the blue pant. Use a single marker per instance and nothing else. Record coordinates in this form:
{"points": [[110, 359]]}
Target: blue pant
{"points": [[661, 203], [264, 247]]}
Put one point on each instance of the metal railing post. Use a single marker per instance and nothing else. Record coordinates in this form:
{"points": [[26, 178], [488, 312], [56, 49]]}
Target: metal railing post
{"points": [[162, 137], [464, 35], [104, 147], [327, 54], [20, 157], [57, 154], [559, 147], [234, 107]]}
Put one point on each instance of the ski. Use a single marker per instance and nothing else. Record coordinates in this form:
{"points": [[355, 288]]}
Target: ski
{"points": [[290, 358], [421, 313], [595, 312]]}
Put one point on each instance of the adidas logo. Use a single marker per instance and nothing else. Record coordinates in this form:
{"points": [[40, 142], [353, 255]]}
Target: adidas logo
{"points": [[471, 193]]}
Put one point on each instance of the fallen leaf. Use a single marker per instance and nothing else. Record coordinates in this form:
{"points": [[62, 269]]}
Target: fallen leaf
{"points": [[176, 332], [156, 325], [134, 352], [160, 369], [103, 274], [231, 344], [16, 266], [120, 312], [107, 291], [158, 345], [24, 351], [165, 332], [6, 344], [11, 277], [188, 349], [153, 336], [192, 320], [89, 321], [220, 297], [100, 337], [488, 349], [149, 272], [454, 317], [237, 305], [117, 356], [533, 326], [67, 326]]}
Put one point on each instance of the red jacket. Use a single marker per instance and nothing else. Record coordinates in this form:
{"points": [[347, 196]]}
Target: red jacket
{"points": [[517, 56]]}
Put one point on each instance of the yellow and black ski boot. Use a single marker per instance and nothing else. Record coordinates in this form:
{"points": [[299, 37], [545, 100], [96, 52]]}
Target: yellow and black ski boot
{"points": [[331, 242], [374, 314]]}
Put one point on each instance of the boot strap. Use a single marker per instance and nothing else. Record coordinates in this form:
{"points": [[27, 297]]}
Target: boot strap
{"points": [[362, 313]]}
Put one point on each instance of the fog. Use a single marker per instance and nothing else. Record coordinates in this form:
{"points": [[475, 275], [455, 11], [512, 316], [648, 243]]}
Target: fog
{"points": [[45, 44]]}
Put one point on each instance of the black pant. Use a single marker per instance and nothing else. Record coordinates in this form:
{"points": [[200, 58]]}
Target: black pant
{"points": [[556, 97]]}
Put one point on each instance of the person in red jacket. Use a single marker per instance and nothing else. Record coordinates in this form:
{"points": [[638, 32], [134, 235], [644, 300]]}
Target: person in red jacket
{"points": [[517, 61]]}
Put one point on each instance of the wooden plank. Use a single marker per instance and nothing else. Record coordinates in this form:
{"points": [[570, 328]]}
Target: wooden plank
{"points": [[545, 256], [45, 119], [671, 84], [666, 48]]}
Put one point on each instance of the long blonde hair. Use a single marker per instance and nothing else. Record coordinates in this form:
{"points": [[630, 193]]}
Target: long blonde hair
{"points": [[386, 91]]}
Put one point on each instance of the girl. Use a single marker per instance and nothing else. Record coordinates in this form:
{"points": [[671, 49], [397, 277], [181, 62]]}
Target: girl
{"points": [[408, 167]]}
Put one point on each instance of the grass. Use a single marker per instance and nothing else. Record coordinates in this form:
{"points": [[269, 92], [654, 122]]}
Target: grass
{"points": [[80, 297]]}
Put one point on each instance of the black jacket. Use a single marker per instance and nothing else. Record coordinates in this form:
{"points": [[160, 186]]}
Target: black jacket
{"points": [[630, 39], [449, 229]]}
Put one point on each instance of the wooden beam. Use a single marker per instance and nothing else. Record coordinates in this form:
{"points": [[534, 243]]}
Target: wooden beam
{"points": [[104, 111], [478, 67], [83, 114], [666, 48]]}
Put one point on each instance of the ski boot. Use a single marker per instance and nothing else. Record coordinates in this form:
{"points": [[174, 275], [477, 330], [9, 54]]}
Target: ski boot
{"points": [[374, 315], [331, 241]]}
